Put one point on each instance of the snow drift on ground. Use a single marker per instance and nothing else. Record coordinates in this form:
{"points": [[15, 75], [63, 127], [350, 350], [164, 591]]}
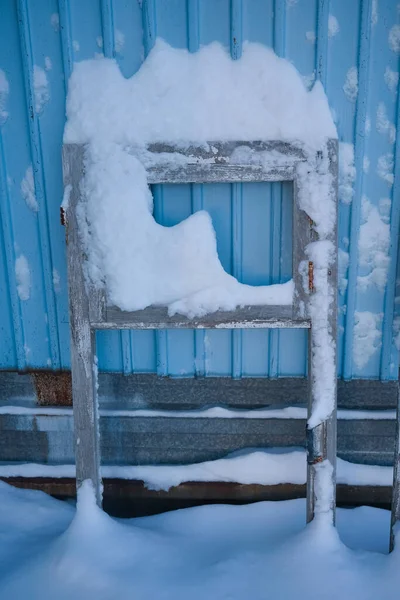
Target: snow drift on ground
{"points": [[180, 98], [258, 551], [249, 466]]}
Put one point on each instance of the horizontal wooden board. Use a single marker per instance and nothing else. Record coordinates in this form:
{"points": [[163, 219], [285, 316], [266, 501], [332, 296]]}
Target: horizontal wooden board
{"points": [[124, 498], [247, 317], [220, 173], [216, 162]]}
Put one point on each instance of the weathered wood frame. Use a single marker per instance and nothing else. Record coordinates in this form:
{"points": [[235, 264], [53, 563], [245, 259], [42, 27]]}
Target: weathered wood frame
{"points": [[213, 163], [395, 518]]}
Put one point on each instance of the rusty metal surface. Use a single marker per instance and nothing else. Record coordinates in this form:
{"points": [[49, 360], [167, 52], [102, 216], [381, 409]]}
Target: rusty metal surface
{"points": [[52, 389]]}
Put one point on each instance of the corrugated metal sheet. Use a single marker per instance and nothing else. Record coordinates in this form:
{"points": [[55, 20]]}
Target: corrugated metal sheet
{"points": [[39, 40]]}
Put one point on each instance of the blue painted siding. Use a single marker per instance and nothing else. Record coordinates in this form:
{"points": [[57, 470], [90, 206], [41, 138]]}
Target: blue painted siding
{"points": [[253, 222]]}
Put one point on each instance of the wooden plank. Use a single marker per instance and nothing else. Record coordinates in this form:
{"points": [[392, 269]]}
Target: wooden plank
{"points": [[219, 173], [322, 438], [123, 498], [223, 151], [395, 517], [84, 375], [247, 317], [216, 162]]}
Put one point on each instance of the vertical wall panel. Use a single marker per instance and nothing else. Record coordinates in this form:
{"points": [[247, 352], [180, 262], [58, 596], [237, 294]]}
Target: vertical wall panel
{"points": [[350, 46]]}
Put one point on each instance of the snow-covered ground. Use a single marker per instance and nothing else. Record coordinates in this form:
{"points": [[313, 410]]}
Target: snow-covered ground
{"points": [[257, 551]]}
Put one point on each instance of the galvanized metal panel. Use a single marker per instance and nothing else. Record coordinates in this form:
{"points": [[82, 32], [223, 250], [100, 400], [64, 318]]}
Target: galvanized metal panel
{"points": [[132, 440], [34, 331]]}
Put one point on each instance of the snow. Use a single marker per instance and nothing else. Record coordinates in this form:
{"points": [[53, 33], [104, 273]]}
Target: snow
{"points": [[373, 247], [367, 336], [374, 12], [309, 80], [40, 88], [214, 412], [119, 41], [391, 79], [179, 266], [347, 172], [76, 46], [66, 196], [324, 493], [261, 467], [56, 281], [143, 109], [55, 21], [350, 87], [343, 266], [4, 91], [23, 277], [28, 190], [53, 550], [311, 37], [175, 266], [383, 124], [394, 39], [385, 168], [385, 205], [333, 26], [323, 365], [48, 65], [366, 164]]}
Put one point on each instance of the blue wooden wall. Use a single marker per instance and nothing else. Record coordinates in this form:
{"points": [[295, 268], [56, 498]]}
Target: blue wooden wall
{"points": [[331, 40]]}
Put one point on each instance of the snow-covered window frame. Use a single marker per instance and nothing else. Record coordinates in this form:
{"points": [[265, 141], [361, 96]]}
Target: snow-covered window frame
{"points": [[314, 174]]}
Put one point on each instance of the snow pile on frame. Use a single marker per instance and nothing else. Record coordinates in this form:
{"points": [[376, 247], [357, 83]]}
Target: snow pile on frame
{"points": [[181, 98], [178, 97]]}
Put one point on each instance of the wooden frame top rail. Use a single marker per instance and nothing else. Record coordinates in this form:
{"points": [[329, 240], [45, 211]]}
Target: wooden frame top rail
{"points": [[246, 317], [222, 162]]}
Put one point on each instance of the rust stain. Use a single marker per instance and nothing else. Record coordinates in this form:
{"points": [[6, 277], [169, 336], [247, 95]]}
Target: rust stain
{"points": [[311, 276], [53, 389]]}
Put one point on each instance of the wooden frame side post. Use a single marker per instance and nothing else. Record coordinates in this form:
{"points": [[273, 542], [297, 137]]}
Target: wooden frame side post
{"points": [[321, 438], [396, 479], [83, 367]]}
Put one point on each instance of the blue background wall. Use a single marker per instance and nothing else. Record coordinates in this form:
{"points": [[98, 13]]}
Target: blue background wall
{"points": [[252, 221]]}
